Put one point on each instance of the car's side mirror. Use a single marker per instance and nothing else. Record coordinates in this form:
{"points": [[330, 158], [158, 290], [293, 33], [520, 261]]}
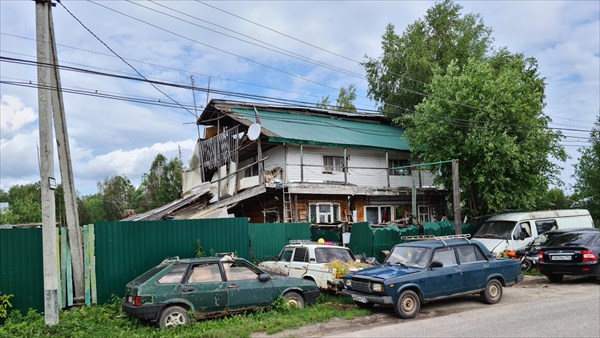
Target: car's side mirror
{"points": [[436, 264], [522, 235], [264, 277]]}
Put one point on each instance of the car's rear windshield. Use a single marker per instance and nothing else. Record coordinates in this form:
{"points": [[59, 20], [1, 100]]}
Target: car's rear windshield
{"points": [[573, 239], [148, 274], [495, 229], [326, 255]]}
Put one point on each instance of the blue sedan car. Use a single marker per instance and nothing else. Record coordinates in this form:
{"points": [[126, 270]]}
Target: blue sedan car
{"points": [[435, 268]]}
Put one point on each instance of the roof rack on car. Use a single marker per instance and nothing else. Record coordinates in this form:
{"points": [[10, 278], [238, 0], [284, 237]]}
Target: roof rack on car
{"points": [[300, 241], [435, 238], [169, 260]]}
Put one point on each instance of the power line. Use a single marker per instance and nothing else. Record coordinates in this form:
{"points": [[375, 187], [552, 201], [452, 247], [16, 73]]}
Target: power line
{"points": [[119, 56]]}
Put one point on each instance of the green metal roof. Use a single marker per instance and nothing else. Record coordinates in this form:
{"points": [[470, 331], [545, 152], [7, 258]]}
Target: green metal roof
{"points": [[326, 130]]}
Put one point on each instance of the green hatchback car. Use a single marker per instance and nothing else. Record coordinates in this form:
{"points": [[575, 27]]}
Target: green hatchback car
{"points": [[209, 287]]}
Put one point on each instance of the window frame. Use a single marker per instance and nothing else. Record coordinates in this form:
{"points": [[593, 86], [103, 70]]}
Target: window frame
{"points": [[391, 213], [334, 215], [393, 163], [333, 164]]}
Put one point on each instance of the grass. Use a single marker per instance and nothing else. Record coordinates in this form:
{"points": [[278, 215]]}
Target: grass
{"points": [[109, 321], [532, 272]]}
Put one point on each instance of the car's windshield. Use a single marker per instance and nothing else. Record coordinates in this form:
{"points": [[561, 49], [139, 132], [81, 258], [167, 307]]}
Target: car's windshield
{"points": [[326, 255], [415, 257], [573, 238], [495, 229]]}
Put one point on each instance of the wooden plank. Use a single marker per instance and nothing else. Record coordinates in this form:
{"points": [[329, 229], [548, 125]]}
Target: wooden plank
{"points": [[69, 268], [92, 254], [88, 300], [61, 268]]}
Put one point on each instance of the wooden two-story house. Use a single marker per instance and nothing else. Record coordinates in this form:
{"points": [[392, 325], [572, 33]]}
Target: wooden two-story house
{"points": [[276, 163]]}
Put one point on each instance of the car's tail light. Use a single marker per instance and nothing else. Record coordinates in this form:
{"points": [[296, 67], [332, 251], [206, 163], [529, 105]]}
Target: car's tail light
{"points": [[137, 301], [541, 256], [589, 256]]}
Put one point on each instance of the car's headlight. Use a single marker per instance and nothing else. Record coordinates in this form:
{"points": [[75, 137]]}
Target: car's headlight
{"points": [[348, 282], [377, 287]]}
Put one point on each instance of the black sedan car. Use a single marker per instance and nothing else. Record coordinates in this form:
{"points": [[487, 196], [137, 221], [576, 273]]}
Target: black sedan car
{"points": [[573, 253]]}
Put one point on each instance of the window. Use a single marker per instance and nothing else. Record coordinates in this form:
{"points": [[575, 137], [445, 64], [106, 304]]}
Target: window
{"points": [[286, 254], [424, 215], [239, 271], [324, 212], [546, 225], [301, 255], [175, 275], [395, 171], [445, 256], [378, 214], [251, 171], [469, 254], [326, 255], [333, 164], [203, 273]]}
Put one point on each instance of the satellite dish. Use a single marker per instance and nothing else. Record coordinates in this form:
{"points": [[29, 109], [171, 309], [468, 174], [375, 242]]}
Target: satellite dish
{"points": [[254, 131]]}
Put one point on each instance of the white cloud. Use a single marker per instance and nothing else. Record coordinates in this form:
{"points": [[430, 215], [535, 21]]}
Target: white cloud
{"points": [[14, 116]]}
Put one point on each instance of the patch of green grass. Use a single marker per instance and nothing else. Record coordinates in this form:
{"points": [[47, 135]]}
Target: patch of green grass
{"points": [[532, 272], [109, 321]]}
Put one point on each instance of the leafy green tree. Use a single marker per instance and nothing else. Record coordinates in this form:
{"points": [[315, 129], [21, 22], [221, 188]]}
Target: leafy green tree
{"points": [[344, 101], [587, 174], [554, 199], [488, 114], [117, 196], [24, 204], [162, 184], [398, 78], [92, 209]]}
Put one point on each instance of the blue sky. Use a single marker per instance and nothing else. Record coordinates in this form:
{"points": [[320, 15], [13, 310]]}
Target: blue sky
{"points": [[110, 137]]}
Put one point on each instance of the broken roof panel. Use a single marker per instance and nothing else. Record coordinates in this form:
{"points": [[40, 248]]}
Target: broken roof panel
{"points": [[320, 129]]}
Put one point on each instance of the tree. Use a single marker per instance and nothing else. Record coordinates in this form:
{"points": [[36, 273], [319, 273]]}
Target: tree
{"points": [[488, 114], [344, 101], [92, 209], [398, 79], [24, 204], [117, 196], [554, 199], [162, 184], [587, 175]]}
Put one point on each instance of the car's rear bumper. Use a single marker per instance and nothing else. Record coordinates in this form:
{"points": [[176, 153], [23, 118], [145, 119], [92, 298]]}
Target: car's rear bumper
{"points": [[569, 269], [146, 312], [311, 296], [375, 299], [516, 280]]}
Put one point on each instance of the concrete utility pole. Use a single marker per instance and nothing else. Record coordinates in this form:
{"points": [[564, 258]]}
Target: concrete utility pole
{"points": [[456, 198], [66, 173], [47, 181]]}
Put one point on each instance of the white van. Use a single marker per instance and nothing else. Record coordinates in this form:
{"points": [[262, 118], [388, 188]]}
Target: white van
{"points": [[514, 230]]}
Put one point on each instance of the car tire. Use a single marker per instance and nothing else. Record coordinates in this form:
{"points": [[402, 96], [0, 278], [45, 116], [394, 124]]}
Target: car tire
{"points": [[364, 305], [408, 305], [555, 277], [173, 316], [526, 265], [294, 299], [493, 292]]}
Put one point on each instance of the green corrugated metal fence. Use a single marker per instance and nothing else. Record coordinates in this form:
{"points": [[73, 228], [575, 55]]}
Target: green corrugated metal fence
{"points": [[21, 267], [124, 250], [267, 239]]}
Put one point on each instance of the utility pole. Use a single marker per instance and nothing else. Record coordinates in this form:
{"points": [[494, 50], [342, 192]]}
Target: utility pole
{"points": [[66, 172], [47, 181], [456, 198]]}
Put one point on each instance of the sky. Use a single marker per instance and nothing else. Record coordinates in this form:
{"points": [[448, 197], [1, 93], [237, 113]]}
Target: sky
{"points": [[294, 50]]}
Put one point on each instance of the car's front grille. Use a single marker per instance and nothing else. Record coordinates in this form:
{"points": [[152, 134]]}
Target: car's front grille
{"points": [[361, 286]]}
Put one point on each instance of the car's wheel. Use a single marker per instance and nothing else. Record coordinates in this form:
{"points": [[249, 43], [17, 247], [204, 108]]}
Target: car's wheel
{"points": [[364, 305], [408, 305], [173, 316], [294, 299], [526, 265], [555, 277], [493, 292]]}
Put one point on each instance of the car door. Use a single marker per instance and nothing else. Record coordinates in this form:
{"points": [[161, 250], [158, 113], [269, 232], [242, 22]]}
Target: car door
{"points": [[282, 265], [445, 280], [299, 263], [205, 289], [473, 266], [244, 289]]}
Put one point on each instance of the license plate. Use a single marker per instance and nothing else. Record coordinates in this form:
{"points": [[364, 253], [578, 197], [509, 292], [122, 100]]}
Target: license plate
{"points": [[560, 258], [359, 299]]}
